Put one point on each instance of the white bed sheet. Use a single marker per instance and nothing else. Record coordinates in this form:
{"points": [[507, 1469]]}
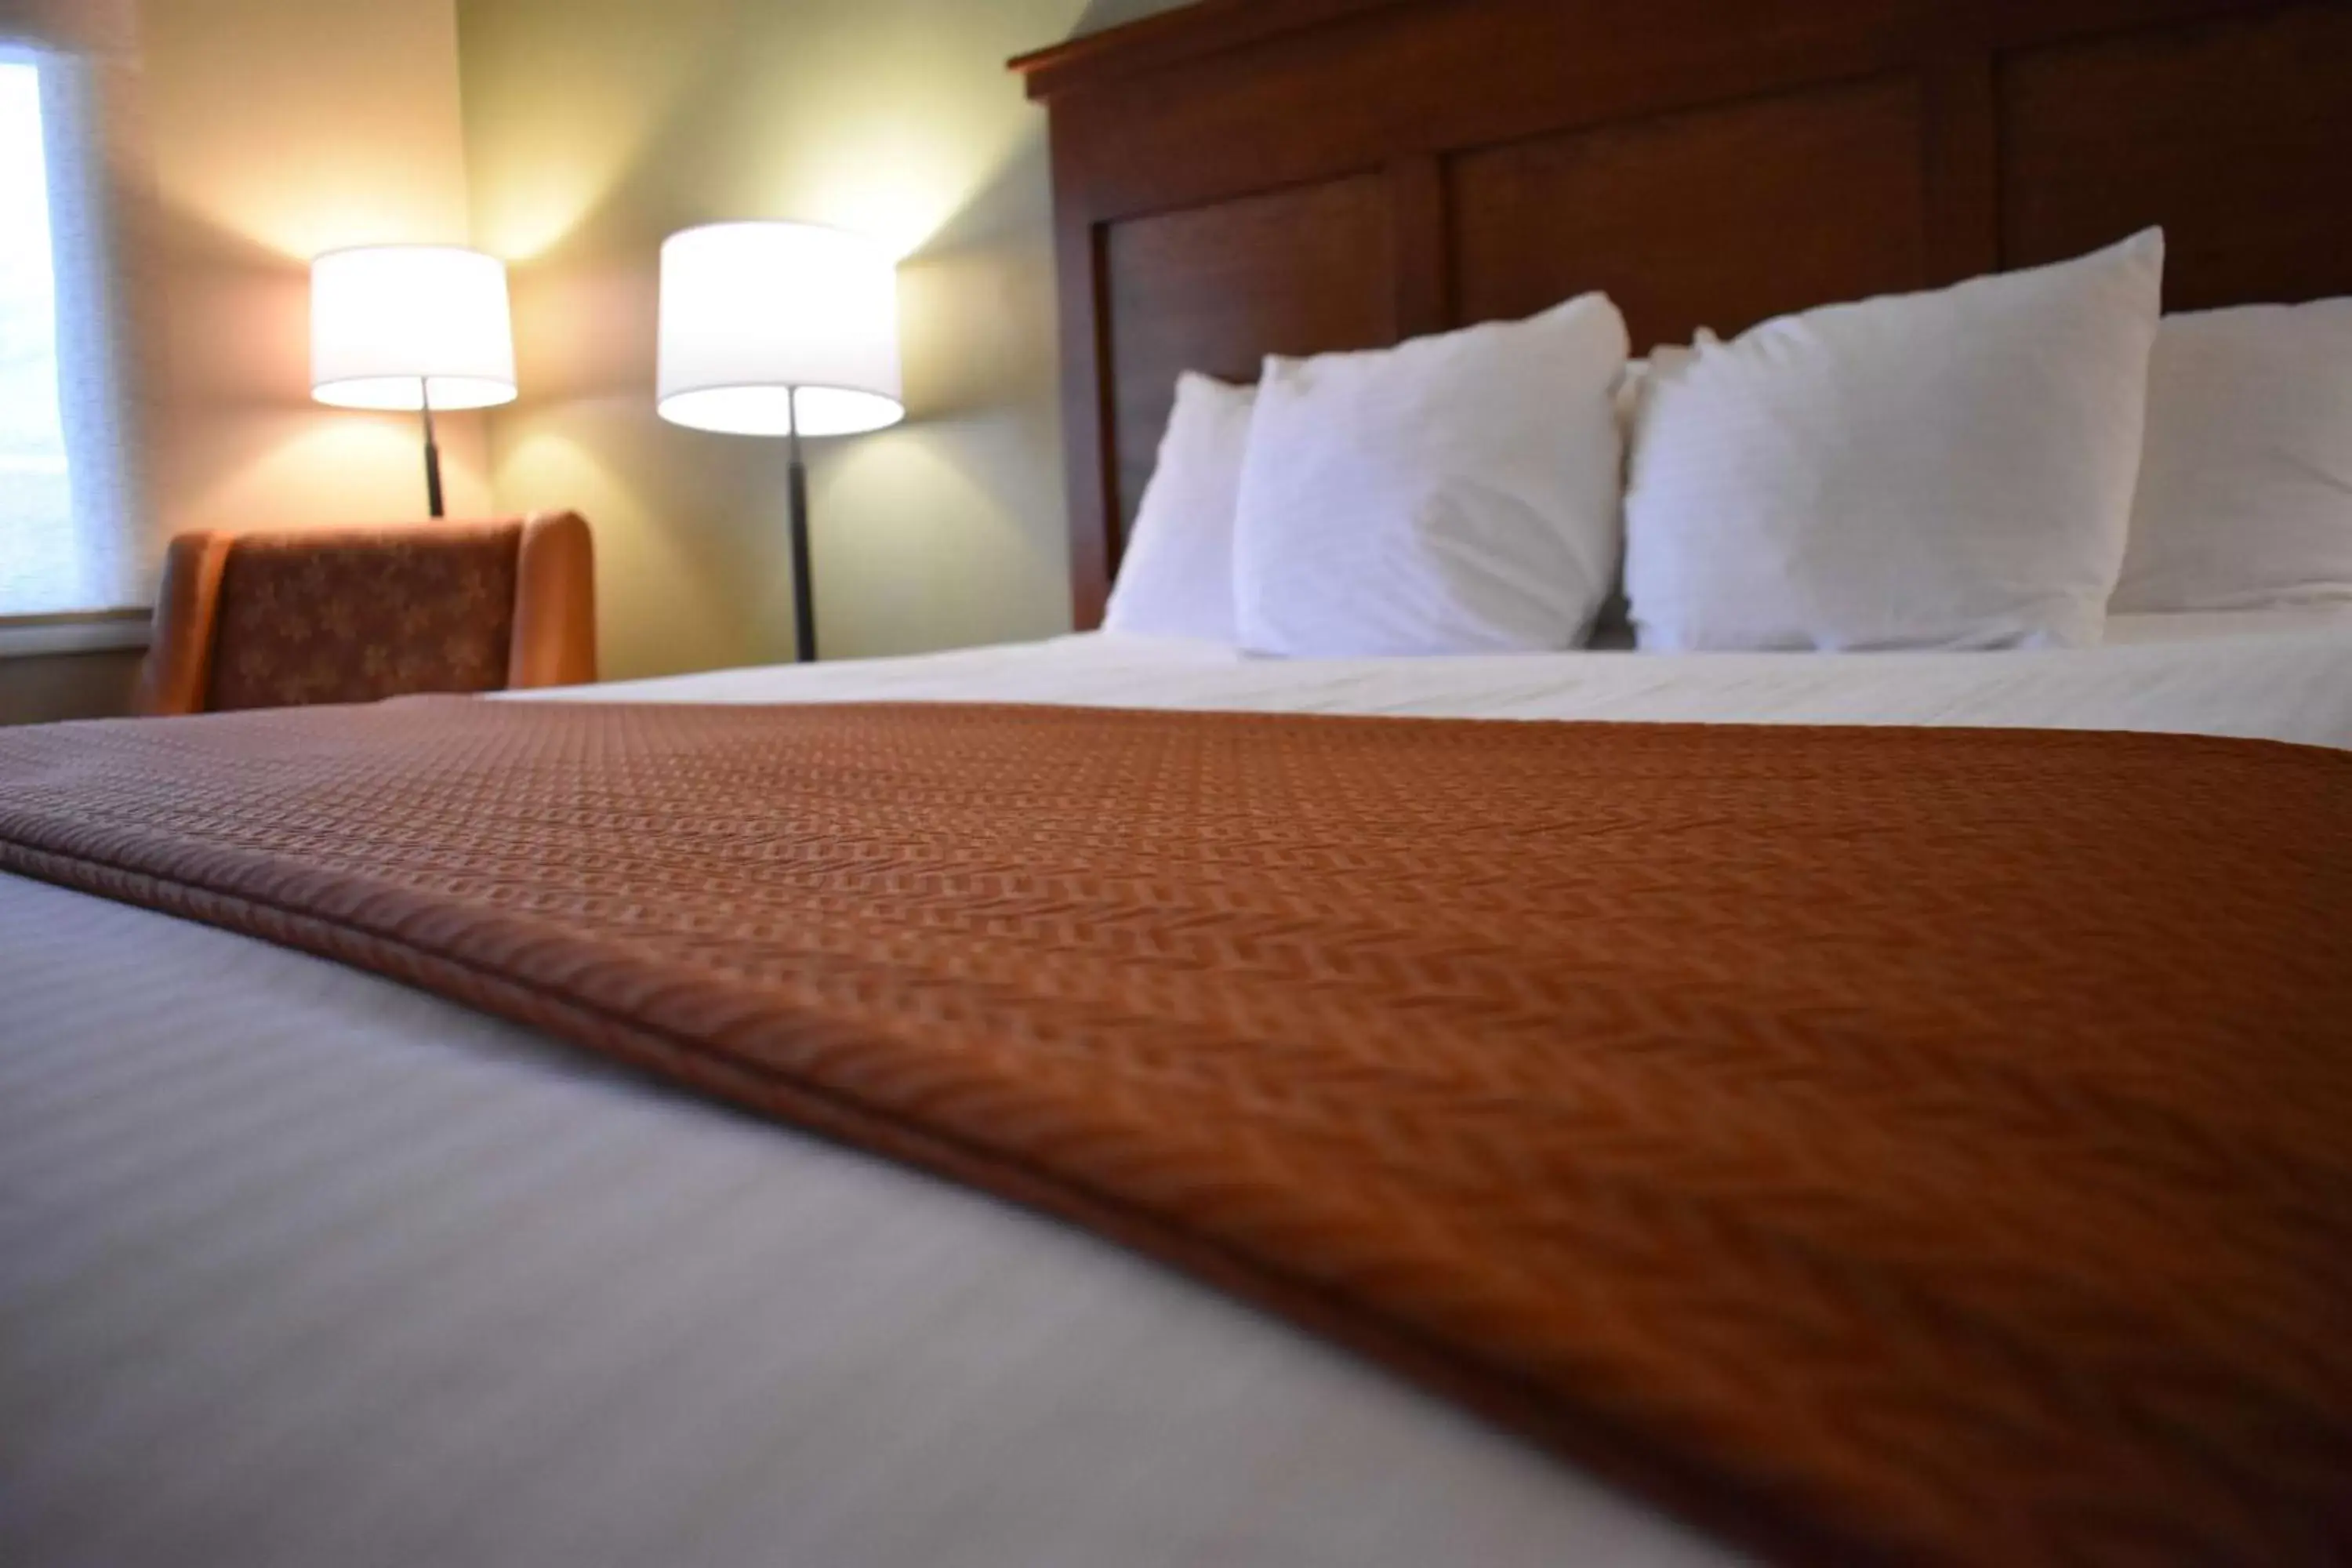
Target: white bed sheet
{"points": [[299, 1267], [2278, 674]]}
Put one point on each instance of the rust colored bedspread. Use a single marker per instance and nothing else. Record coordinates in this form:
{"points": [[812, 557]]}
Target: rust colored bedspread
{"points": [[1913, 1145]]}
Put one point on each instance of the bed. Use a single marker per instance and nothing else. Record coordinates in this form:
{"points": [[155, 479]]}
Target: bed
{"points": [[304, 1264]]}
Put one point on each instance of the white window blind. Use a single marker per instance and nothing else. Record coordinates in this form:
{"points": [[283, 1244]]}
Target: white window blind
{"points": [[66, 532]]}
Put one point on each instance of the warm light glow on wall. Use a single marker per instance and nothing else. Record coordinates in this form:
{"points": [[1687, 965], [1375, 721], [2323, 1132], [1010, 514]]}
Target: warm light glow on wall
{"points": [[900, 192], [283, 128]]}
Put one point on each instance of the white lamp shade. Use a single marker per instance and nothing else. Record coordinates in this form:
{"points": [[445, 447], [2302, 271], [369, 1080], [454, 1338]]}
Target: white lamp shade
{"points": [[385, 320], [757, 315]]}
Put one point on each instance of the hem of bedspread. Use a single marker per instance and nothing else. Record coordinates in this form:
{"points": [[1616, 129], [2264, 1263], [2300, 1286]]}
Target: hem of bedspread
{"points": [[1739, 1513]]}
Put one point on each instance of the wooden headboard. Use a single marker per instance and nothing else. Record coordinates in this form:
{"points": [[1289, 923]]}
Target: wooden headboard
{"points": [[1245, 177]]}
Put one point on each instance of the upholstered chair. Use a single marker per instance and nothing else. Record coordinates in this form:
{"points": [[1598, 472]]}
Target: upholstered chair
{"points": [[274, 620]]}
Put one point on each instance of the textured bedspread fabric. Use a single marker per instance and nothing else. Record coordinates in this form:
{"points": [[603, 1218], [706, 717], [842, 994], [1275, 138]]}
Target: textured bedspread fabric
{"points": [[1924, 1142]]}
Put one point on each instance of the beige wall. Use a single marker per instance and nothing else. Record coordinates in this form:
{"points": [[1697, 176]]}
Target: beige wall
{"points": [[588, 130], [595, 128], [279, 128], [266, 130]]}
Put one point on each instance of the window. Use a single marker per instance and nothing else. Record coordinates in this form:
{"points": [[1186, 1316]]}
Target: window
{"points": [[35, 486], [62, 518]]}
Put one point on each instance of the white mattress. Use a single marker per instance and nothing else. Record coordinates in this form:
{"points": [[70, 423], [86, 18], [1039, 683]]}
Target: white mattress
{"points": [[298, 1267]]}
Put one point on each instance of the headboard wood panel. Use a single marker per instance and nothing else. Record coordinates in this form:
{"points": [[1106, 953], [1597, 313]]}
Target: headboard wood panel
{"points": [[2237, 137], [1640, 209], [1217, 288], [1245, 177]]}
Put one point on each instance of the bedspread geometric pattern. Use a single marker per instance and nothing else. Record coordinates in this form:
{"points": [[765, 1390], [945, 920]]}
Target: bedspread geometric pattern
{"points": [[1924, 1143]]}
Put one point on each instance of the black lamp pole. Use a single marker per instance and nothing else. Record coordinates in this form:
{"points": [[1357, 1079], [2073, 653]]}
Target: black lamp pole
{"points": [[803, 590], [432, 448]]}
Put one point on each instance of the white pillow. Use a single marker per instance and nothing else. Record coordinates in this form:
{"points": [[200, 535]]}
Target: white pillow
{"points": [[2245, 481], [1612, 628], [1176, 574], [1454, 494], [1949, 469], [1625, 397]]}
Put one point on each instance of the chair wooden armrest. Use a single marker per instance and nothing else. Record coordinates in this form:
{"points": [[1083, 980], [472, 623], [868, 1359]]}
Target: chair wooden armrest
{"points": [[178, 670], [555, 603]]}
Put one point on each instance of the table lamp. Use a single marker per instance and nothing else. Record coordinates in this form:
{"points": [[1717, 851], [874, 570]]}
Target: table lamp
{"points": [[780, 329], [411, 326]]}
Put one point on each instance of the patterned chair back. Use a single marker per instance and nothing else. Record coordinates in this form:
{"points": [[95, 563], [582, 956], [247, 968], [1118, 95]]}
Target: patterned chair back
{"points": [[357, 617], [279, 620]]}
